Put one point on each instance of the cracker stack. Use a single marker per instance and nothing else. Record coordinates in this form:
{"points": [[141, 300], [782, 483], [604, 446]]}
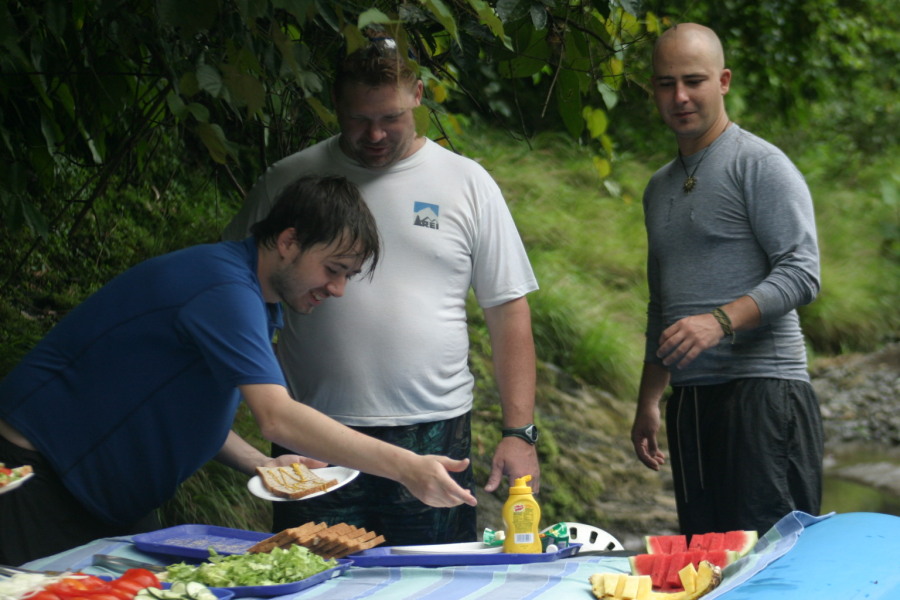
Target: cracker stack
{"points": [[336, 541]]}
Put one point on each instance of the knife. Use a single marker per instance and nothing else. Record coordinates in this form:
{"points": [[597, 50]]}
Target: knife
{"points": [[121, 564]]}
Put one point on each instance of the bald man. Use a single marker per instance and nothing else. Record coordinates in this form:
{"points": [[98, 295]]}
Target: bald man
{"points": [[732, 253]]}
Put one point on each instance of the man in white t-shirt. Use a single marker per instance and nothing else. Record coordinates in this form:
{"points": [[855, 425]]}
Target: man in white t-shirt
{"points": [[392, 359]]}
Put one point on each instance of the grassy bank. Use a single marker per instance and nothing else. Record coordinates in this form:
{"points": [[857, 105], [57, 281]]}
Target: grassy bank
{"points": [[586, 241]]}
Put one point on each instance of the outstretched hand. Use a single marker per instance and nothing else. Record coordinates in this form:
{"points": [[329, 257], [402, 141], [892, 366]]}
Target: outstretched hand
{"points": [[427, 479]]}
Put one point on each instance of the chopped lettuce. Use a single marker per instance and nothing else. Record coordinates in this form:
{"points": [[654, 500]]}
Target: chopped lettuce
{"points": [[250, 570]]}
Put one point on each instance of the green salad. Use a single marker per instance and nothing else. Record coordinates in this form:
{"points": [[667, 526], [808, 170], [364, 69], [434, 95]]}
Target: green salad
{"points": [[250, 570]]}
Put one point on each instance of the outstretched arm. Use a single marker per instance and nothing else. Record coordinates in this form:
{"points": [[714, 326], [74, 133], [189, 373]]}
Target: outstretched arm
{"points": [[307, 431], [242, 456]]}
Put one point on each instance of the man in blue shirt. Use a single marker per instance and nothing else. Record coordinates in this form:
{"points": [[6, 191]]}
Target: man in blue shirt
{"points": [[138, 386]]}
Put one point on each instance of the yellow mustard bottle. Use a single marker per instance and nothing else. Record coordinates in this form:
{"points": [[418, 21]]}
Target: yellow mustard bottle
{"points": [[521, 519]]}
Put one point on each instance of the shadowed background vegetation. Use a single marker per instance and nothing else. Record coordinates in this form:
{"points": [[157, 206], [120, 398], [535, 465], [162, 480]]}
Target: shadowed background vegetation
{"points": [[88, 190]]}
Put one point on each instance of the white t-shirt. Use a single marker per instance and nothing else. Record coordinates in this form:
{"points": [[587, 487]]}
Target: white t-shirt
{"points": [[394, 350]]}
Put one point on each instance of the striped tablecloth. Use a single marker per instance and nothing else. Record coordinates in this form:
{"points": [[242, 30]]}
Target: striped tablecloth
{"points": [[835, 557]]}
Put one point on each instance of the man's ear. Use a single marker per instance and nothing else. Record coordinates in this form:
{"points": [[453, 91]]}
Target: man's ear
{"points": [[725, 81], [286, 242]]}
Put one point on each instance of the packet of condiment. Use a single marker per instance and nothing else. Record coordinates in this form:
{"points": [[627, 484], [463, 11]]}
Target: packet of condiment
{"points": [[493, 538], [556, 535]]}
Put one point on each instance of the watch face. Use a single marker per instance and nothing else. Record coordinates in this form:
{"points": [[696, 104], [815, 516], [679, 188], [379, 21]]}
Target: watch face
{"points": [[532, 432]]}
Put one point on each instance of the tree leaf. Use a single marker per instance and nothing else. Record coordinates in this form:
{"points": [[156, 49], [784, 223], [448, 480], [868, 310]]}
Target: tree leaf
{"points": [[487, 16], [596, 121], [609, 95], [568, 102], [214, 139], [373, 15], [176, 106], [209, 80], [444, 16], [246, 89], [603, 166]]}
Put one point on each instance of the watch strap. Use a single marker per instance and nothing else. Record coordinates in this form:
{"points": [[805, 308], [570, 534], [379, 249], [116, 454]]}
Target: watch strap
{"points": [[529, 433]]}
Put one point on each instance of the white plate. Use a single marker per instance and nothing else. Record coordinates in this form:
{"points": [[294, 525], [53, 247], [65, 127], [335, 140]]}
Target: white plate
{"points": [[461, 548], [342, 474], [11, 486]]}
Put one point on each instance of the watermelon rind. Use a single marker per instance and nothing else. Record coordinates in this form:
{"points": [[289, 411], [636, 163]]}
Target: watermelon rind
{"points": [[741, 542]]}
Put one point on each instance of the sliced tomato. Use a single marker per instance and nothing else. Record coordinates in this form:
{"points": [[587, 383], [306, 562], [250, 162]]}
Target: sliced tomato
{"points": [[120, 594], [144, 576], [78, 585], [128, 585]]}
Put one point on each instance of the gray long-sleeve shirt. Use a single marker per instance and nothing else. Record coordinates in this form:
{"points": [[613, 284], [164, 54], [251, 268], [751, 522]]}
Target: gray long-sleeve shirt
{"points": [[747, 228]]}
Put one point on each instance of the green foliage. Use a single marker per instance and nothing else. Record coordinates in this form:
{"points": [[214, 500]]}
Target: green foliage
{"points": [[241, 84], [808, 63]]}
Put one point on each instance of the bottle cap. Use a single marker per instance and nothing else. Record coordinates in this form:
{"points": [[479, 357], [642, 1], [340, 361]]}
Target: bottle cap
{"points": [[521, 485]]}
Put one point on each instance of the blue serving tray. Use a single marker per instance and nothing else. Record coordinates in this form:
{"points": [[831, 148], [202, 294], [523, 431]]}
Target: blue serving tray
{"points": [[194, 541], [266, 591], [383, 556]]}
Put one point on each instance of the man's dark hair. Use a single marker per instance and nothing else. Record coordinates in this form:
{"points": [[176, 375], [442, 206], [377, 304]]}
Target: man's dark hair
{"points": [[322, 210], [376, 64]]}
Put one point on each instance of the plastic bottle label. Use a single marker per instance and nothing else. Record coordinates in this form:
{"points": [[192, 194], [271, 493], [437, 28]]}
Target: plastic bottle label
{"points": [[524, 538]]}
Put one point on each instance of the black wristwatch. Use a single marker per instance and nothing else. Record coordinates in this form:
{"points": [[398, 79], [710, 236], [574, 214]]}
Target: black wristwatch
{"points": [[529, 433]]}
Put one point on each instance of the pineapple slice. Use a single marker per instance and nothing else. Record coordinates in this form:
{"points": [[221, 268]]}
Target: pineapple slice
{"points": [[709, 576], [688, 576], [619, 586]]}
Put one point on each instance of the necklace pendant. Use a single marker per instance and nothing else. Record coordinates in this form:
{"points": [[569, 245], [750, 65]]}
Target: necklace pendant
{"points": [[689, 184]]}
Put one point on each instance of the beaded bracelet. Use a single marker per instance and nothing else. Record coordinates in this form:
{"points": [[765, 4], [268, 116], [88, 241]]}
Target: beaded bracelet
{"points": [[725, 321]]}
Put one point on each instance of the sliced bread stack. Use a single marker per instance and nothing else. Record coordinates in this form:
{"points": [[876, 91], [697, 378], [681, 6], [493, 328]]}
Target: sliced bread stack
{"points": [[336, 541]]}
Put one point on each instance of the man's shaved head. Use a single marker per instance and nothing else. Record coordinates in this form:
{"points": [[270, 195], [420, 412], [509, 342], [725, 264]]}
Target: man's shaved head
{"points": [[702, 38]]}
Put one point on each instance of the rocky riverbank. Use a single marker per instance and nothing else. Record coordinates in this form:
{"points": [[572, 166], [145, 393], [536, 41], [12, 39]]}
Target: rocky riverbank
{"points": [[859, 398]]}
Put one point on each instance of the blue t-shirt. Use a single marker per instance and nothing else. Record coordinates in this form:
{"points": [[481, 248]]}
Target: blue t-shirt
{"points": [[136, 388]]}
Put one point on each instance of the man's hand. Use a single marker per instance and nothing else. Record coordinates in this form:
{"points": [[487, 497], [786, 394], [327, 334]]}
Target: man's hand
{"points": [[643, 437], [684, 340], [427, 479], [514, 458]]}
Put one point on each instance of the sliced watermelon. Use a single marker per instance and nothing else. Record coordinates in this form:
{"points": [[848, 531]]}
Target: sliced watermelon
{"points": [[679, 544], [660, 570], [673, 579], [741, 542], [642, 564], [665, 544], [696, 557], [720, 558], [663, 568], [698, 541], [715, 541]]}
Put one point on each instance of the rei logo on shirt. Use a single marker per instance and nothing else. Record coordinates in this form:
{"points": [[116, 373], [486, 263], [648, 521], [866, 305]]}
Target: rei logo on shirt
{"points": [[426, 215]]}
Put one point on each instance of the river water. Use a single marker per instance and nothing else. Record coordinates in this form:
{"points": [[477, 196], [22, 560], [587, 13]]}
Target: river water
{"points": [[862, 478], [859, 397]]}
